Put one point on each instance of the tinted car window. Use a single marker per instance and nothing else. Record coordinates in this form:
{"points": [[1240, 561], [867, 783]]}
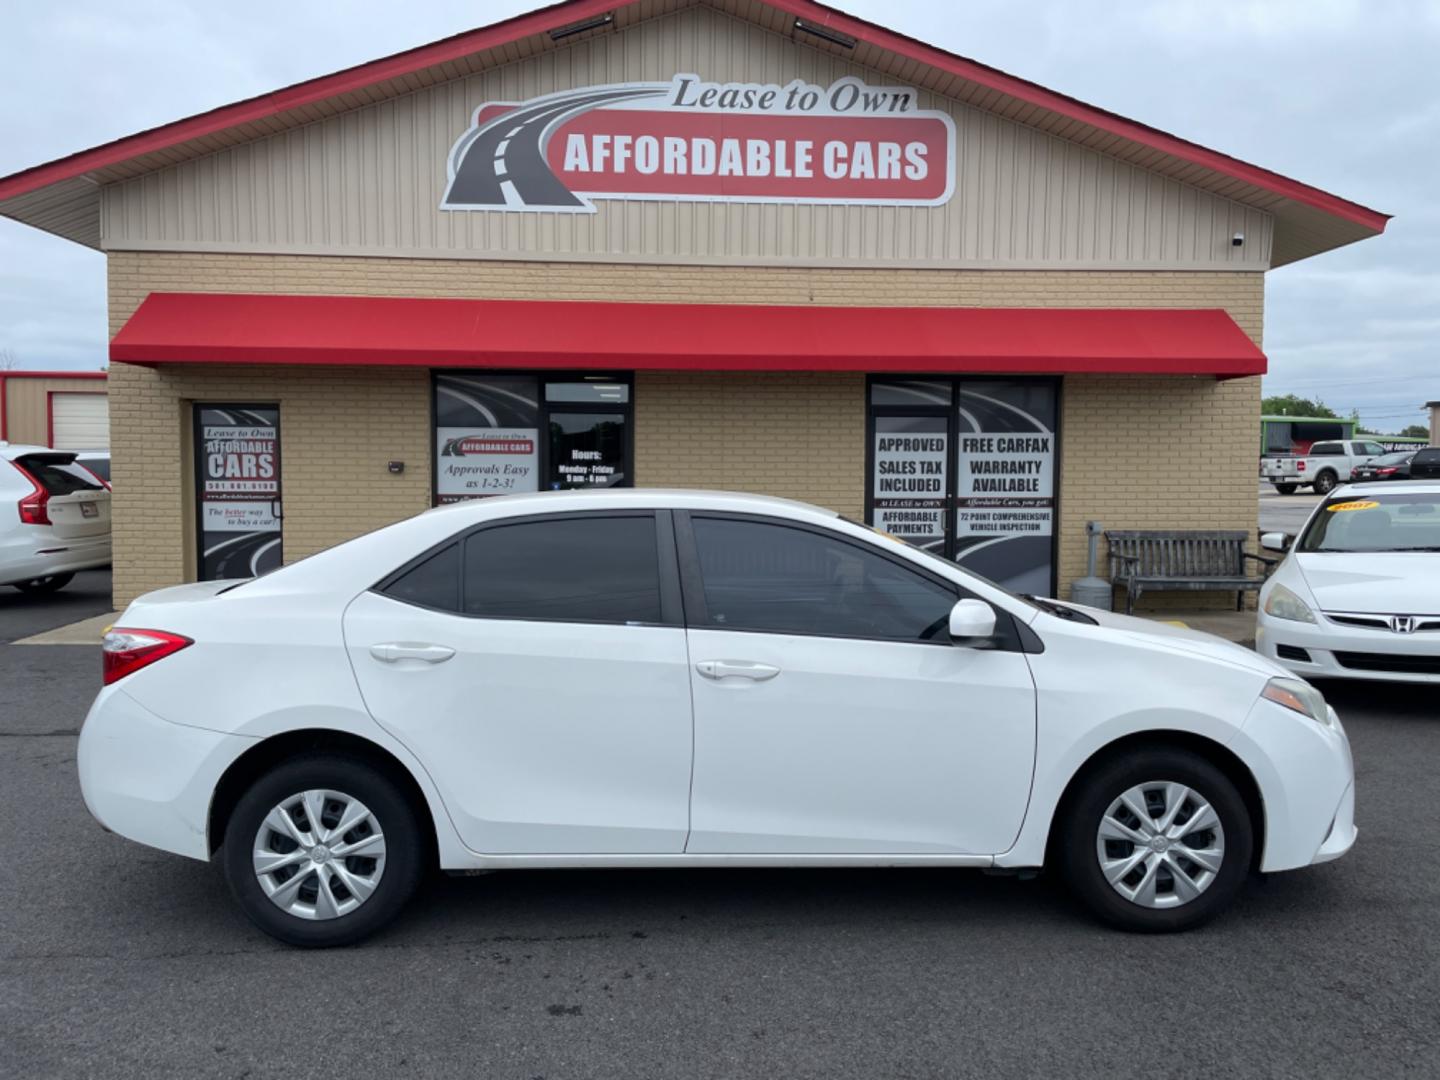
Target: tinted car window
{"points": [[57, 475], [577, 569], [1325, 449], [780, 579], [434, 583]]}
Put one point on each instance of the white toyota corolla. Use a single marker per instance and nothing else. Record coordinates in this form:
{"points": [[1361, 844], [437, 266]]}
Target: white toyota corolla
{"points": [[647, 679], [1358, 595]]}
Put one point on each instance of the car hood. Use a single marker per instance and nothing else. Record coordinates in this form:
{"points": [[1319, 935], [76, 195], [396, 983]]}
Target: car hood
{"points": [[1404, 582], [1183, 639]]}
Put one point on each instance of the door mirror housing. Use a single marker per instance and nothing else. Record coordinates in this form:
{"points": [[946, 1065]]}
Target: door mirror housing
{"points": [[972, 623], [1275, 541]]}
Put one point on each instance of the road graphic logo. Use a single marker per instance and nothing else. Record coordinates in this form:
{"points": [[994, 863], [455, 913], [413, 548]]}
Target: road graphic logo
{"points": [[687, 140]]}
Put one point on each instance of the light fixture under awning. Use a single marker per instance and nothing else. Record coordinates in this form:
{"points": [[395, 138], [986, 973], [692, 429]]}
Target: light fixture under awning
{"points": [[226, 328]]}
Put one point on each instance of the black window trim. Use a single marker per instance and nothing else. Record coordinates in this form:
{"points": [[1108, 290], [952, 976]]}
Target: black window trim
{"points": [[671, 609], [1012, 635]]}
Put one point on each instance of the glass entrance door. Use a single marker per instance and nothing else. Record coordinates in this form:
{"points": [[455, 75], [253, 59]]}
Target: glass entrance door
{"points": [[965, 468], [238, 511]]}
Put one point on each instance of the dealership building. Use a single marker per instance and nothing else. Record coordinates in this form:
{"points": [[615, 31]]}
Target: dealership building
{"points": [[756, 245]]}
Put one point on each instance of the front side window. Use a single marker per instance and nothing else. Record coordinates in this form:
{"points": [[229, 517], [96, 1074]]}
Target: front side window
{"points": [[574, 569], [1371, 448], [775, 578]]}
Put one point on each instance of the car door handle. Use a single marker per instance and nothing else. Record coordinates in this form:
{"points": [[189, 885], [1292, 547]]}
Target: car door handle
{"points": [[736, 669], [404, 650]]}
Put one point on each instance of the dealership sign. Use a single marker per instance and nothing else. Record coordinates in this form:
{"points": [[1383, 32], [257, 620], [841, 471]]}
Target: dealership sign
{"points": [[688, 140]]}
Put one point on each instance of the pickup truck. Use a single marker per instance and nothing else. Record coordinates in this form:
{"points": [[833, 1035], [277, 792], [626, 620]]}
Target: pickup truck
{"points": [[1326, 465]]}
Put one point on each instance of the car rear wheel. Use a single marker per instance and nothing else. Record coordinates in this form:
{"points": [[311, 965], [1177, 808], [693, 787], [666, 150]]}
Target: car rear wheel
{"points": [[47, 584], [1325, 483], [323, 850], [1285, 489], [1156, 841]]}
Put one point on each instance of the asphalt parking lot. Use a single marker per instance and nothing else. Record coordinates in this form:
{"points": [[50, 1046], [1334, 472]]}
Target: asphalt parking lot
{"points": [[1285, 513], [119, 961]]}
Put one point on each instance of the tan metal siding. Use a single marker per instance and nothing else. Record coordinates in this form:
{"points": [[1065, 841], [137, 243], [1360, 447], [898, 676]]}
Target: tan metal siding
{"points": [[26, 405], [369, 182]]}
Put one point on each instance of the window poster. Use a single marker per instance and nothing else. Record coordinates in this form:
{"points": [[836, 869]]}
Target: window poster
{"points": [[487, 436], [909, 485], [1005, 482], [238, 490]]}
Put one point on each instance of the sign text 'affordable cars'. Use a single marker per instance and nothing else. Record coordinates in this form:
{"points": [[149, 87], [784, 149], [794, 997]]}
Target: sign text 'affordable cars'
{"points": [[688, 140]]}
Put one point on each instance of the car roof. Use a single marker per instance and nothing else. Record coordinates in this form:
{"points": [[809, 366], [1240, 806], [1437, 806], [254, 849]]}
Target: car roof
{"points": [[11, 451], [550, 502], [1389, 487]]}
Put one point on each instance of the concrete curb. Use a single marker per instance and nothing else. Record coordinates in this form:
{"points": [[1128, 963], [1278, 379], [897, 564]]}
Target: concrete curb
{"points": [[85, 632]]}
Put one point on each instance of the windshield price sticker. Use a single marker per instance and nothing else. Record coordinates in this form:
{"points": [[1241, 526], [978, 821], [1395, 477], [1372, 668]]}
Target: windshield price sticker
{"points": [[1359, 504]]}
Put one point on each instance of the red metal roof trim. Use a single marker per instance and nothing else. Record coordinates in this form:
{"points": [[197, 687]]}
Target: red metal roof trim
{"points": [[226, 328], [545, 19]]}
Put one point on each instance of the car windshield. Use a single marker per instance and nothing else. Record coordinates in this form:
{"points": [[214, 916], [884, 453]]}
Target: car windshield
{"points": [[1403, 521]]}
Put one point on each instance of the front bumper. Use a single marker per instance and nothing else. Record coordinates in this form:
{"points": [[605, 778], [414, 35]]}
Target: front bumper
{"points": [[1323, 640], [1307, 782], [148, 779]]}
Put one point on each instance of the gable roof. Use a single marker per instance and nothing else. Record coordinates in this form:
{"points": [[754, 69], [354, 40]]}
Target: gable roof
{"points": [[63, 196]]}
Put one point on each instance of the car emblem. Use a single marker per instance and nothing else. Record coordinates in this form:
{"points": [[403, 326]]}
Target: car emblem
{"points": [[1402, 624]]}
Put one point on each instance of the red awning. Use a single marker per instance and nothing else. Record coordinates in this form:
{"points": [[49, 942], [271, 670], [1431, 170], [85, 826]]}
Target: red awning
{"points": [[218, 328]]}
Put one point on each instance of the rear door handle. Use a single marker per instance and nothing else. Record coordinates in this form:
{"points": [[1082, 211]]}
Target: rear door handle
{"points": [[736, 669], [390, 652]]}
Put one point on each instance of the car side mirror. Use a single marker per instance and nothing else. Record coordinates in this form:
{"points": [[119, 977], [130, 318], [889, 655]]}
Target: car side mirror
{"points": [[972, 623], [1277, 541]]}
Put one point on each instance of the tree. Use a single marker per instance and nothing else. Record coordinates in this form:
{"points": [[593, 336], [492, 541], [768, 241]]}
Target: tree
{"points": [[1416, 431], [1291, 405], [7, 359]]}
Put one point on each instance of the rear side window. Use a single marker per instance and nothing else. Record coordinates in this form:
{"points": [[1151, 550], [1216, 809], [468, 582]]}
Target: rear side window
{"points": [[99, 466], [1325, 449], [58, 474], [434, 583], [574, 569]]}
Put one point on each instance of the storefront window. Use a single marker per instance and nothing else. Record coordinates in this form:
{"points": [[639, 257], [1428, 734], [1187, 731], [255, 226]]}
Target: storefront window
{"points": [[965, 468], [504, 434]]}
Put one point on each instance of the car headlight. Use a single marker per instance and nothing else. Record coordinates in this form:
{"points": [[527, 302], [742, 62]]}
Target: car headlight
{"points": [[1300, 696], [1284, 604]]}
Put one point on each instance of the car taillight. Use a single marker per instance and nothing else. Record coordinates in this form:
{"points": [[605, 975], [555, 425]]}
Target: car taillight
{"points": [[33, 510], [125, 651], [1301, 466], [1385, 471]]}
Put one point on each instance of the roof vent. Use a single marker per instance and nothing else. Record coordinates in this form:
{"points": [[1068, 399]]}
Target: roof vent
{"points": [[580, 27], [832, 36]]}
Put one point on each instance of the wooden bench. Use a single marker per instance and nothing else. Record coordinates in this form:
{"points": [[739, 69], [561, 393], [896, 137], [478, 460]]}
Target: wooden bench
{"points": [[1193, 560]]}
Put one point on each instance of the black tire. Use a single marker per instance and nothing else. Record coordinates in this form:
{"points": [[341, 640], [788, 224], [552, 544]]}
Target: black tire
{"points": [[1081, 815], [406, 851], [47, 584], [1325, 483], [1285, 489]]}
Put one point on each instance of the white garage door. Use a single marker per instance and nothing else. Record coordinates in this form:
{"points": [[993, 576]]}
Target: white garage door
{"points": [[81, 421]]}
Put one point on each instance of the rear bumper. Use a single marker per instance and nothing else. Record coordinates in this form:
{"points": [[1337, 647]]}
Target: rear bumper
{"points": [[29, 555], [148, 779]]}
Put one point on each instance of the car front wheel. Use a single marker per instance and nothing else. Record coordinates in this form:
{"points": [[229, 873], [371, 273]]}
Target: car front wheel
{"points": [[1158, 840], [322, 850]]}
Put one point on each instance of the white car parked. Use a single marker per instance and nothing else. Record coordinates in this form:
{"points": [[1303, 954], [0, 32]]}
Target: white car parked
{"points": [[641, 678], [54, 518], [1358, 595]]}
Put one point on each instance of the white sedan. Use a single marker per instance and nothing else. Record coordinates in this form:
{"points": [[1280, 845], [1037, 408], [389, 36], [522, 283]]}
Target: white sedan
{"points": [[640, 678], [1358, 595]]}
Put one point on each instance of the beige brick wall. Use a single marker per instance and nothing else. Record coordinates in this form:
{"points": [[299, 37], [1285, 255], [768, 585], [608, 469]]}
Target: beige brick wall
{"points": [[339, 428], [800, 436]]}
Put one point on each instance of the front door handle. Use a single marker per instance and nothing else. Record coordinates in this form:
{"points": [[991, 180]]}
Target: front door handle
{"points": [[736, 669], [390, 652]]}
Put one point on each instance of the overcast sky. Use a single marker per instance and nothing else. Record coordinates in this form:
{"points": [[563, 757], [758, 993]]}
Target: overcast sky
{"points": [[1343, 94]]}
